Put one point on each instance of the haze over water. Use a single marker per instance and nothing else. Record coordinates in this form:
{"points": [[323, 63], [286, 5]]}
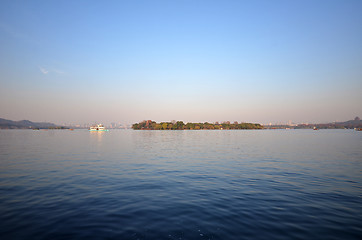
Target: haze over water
{"points": [[126, 184]]}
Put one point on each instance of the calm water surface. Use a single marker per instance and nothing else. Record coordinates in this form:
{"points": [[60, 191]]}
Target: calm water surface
{"points": [[125, 184]]}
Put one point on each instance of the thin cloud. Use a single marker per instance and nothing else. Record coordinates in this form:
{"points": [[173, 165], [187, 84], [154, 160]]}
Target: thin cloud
{"points": [[58, 71], [54, 70], [43, 70]]}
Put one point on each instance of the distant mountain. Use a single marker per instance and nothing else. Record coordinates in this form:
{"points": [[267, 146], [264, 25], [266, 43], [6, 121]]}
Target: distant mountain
{"points": [[9, 124], [356, 123]]}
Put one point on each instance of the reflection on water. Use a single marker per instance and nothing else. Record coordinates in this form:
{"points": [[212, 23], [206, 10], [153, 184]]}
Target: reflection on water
{"points": [[97, 135], [124, 184]]}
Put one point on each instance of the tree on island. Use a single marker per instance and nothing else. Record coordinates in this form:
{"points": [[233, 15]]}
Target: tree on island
{"points": [[180, 125]]}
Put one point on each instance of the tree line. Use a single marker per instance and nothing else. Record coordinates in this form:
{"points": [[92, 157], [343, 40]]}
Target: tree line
{"points": [[180, 125]]}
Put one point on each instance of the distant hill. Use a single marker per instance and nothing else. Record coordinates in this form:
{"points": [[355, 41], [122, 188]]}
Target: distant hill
{"points": [[356, 123], [24, 124]]}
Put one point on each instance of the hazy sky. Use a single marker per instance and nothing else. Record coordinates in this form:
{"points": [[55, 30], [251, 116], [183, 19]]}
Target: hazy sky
{"points": [[126, 61]]}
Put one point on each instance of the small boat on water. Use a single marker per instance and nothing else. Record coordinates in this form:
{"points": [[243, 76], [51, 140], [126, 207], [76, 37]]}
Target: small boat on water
{"points": [[315, 128], [358, 129], [98, 127]]}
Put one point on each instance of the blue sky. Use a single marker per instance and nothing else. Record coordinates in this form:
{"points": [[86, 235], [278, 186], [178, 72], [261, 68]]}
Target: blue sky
{"points": [[126, 61]]}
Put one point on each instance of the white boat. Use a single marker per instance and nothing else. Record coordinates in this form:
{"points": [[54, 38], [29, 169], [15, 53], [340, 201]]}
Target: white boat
{"points": [[98, 127]]}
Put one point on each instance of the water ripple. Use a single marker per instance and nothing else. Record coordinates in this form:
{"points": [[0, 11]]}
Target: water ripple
{"points": [[181, 185]]}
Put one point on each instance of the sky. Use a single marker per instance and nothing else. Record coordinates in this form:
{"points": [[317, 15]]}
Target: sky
{"points": [[196, 61]]}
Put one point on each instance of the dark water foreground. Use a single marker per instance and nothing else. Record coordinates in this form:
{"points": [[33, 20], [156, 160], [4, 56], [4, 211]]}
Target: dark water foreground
{"points": [[124, 184]]}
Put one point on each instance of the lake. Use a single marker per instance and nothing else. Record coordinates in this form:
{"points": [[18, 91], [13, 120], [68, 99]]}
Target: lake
{"points": [[207, 184]]}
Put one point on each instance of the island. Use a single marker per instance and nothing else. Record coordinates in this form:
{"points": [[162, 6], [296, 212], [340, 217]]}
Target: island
{"points": [[180, 125]]}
